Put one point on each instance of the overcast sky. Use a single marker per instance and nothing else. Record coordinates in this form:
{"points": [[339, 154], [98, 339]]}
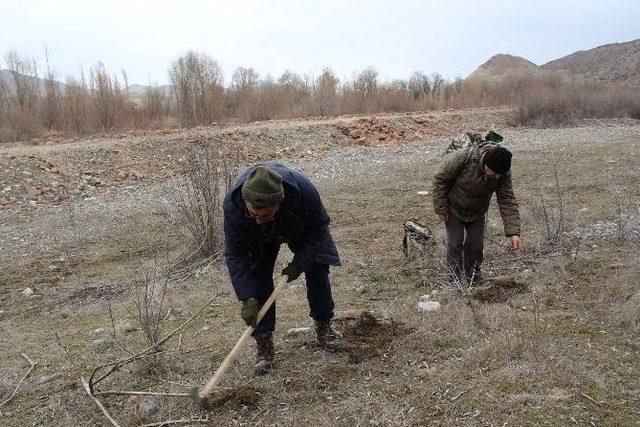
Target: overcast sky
{"points": [[395, 36]]}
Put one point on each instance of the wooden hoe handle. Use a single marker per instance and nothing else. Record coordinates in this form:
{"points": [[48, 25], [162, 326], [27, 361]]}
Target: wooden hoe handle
{"points": [[226, 363]]}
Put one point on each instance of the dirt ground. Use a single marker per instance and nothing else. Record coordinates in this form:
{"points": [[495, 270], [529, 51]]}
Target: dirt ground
{"points": [[84, 223]]}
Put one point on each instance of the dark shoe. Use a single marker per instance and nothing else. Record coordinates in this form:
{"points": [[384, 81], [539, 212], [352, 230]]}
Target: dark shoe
{"points": [[328, 338], [265, 353]]}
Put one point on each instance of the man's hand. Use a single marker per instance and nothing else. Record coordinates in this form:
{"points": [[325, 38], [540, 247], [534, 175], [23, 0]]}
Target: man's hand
{"points": [[249, 311], [515, 244], [292, 272], [444, 216]]}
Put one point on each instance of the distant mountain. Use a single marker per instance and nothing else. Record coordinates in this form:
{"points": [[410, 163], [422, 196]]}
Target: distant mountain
{"points": [[8, 81], [614, 63], [135, 92], [500, 66], [610, 63]]}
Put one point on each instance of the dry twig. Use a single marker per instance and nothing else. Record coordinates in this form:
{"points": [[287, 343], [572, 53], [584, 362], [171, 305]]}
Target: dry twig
{"points": [[114, 366], [176, 422], [87, 390], [32, 366]]}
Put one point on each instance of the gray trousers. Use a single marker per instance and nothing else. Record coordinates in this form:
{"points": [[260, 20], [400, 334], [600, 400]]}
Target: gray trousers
{"points": [[464, 252]]}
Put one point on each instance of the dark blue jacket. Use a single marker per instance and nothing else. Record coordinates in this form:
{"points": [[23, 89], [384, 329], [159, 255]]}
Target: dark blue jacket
{"points": [[302, 219]]}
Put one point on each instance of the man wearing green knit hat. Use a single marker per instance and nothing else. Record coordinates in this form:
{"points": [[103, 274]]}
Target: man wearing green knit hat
{"points": [[269, 205]]}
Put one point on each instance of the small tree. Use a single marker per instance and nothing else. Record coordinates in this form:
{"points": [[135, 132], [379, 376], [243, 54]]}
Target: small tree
{"points": [[197, 80], [326, 92]]}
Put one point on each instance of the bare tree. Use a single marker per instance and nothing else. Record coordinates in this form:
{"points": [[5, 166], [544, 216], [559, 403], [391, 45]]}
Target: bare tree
{"points": [[326, 92], [108, 97], [366, 82], [437, 84], [197, 80], [244, 80], [25, 80], [155, 101], [51, 98], [419, 85], [76, 106]]}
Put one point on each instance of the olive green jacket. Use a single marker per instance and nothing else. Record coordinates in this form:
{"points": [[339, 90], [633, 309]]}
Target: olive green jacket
{"points": [[461, 188]]}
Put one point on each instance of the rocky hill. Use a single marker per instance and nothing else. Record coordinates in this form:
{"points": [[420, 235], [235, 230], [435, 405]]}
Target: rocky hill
{"points": [[611, 63], [500, 66], [616, 63]]}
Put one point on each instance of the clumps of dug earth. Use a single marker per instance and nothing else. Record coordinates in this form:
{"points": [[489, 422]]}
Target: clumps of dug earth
{"points": [[498, 289], [244, 395], [366, 337]]}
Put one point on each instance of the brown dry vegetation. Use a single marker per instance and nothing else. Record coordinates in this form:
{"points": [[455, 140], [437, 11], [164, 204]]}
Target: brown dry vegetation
{"points": [[100, 103], [563, 352]]}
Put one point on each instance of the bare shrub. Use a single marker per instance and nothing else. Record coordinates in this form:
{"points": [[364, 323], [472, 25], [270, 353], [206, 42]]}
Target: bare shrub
{"points": [[549, 106], [76, 107], [108, 98], [155, 102], [151, 306], [207, 178], [22, 124]]}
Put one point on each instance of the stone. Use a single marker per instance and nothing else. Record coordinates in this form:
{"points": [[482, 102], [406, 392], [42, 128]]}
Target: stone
{"points": [[32, 191], [48, 378], [361, 290], [121, 175], [298, 331], [4, 201], [125, 328], [27, 292], [428, 305], [148, 406], [526, 274], [102, 344]]}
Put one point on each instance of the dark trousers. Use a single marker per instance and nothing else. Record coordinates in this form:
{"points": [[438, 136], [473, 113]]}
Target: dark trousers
{"points": [[319, 296], [465, 246]]}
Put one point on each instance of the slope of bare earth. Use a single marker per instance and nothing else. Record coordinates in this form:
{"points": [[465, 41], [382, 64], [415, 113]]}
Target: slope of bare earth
{"points": [[83, 223], [611, 63]]}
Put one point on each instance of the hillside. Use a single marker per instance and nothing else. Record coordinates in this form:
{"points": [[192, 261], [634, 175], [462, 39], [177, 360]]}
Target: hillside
{"points": [[611, 63], [616, 62]]}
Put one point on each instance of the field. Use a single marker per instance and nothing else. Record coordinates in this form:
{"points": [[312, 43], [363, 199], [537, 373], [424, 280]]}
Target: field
{"points": [[85, 224]]}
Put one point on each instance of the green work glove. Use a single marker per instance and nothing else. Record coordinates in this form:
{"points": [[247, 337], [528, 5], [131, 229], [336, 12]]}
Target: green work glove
{"points": [[249, 311], [292, 272]]}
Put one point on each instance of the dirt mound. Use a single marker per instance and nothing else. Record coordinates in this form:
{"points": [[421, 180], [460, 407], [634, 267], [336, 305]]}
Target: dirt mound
{"points": [[366, 337], [498, 289]]}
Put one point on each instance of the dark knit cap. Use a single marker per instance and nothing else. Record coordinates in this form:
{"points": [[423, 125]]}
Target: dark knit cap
{"points": [[498, 160], [263, 188]]}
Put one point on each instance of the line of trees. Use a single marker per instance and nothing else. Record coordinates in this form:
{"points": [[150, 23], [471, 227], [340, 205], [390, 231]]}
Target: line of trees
{"points": [[99, 101]]}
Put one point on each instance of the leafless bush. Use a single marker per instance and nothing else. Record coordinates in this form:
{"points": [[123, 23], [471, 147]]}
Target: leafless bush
{"points": [[108, 98], [207, 177], [553, 214], [151, 306], [549, 106], [76, 107]]}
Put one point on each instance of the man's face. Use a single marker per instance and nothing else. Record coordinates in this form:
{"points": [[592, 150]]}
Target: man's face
{"points": [[262, 215], [491, 174]]}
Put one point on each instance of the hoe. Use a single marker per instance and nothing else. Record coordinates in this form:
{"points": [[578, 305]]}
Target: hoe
{"points": [[202, 398]]}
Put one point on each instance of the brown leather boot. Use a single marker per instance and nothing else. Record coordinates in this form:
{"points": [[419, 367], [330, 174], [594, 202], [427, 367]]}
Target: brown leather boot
{"points": [[265, 353], [328, 338]]}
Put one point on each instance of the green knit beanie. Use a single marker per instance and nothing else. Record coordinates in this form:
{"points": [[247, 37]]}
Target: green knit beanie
{"points": [[263, 188]]}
